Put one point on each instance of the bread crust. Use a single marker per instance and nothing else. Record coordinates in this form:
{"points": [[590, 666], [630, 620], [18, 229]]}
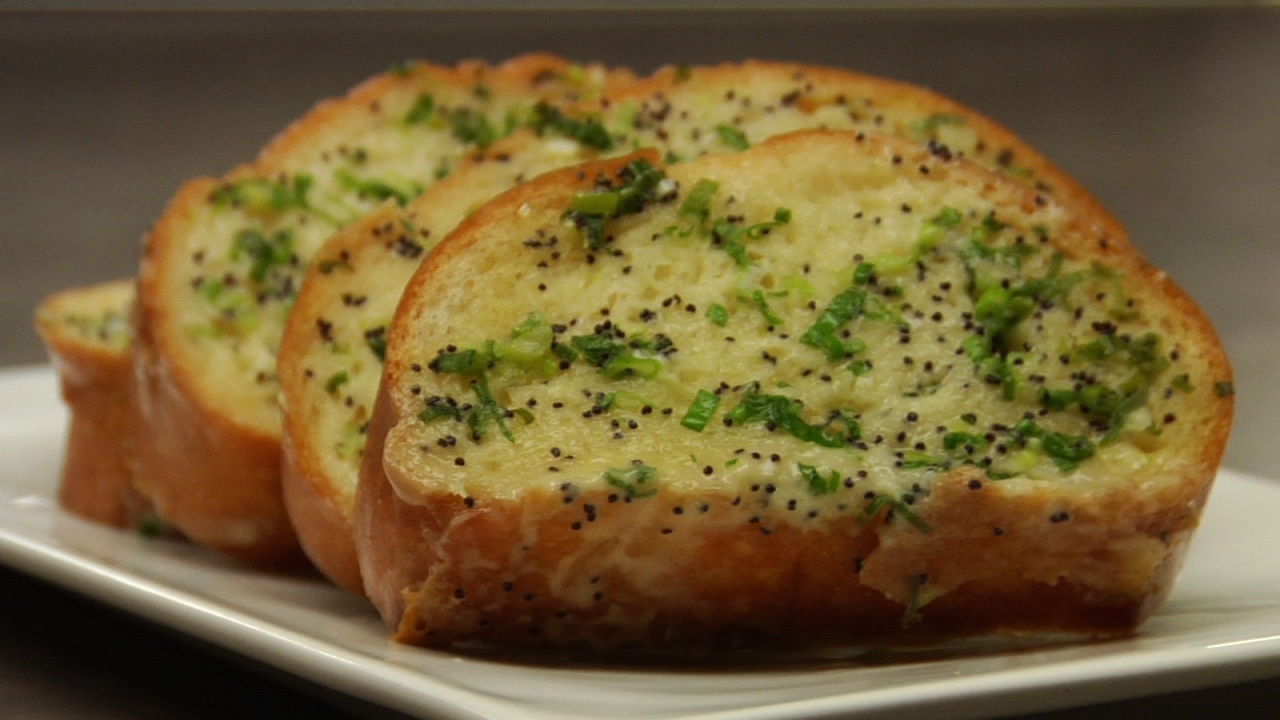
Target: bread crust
{"points": [[95, 376], [451, 568], [483, 594], [212, 462]]}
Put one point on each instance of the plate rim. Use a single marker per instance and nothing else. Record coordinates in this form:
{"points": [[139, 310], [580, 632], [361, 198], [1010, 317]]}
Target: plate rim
{"points": [[392, 683]]}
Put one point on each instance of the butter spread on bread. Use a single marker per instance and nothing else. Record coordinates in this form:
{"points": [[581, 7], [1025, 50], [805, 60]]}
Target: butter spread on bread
{"points": [[329, 359], [832, 388], [221, 267]]}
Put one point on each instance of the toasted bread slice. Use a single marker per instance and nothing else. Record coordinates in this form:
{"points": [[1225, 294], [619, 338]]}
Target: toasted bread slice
{"points": [[328, 364], [86, 333], [834, 388], [222, 265]]}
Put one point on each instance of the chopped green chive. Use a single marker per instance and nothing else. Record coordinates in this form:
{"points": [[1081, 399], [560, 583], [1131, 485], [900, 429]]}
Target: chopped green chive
{"points": [[588, 211], [697, 202], [589, 132], [816, 482], [732, 136], [439, 408], [635, 481], [336, 381], [717, 314], [379, 189], [823, 334], [700, 410], [783, 413], [422, 111], [762, 305], [898, 507], [265, 252]]}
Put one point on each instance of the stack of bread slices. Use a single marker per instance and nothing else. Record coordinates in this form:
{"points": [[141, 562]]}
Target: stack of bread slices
{"points": [[757, 355]]}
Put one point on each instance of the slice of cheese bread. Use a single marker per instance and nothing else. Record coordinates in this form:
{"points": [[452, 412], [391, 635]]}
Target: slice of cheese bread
{"points": [[329, 359], [833, 388], [85, 330], [221, 268]]}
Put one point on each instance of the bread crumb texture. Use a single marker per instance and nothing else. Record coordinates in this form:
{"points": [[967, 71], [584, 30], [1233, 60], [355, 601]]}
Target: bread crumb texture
{"points": [[834, 386]]}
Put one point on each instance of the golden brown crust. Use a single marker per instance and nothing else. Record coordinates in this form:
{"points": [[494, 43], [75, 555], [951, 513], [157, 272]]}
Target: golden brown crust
{"points": [[323, 529], [95, 378], [481, 586], [701, 570]]}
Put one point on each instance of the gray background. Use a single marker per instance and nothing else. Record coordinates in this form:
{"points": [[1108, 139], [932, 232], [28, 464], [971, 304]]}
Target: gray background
{"points": [[1170, 115]]}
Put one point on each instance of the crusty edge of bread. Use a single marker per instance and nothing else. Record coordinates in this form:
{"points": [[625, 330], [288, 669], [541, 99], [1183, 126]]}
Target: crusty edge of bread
{"points": [[404, 542], [95, 380]]}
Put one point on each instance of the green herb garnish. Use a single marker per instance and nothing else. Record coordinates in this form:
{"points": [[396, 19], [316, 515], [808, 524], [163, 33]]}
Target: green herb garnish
{"points": [[762, 304], [1066, 451], [265, 252], [589, 132], [823, 334], [378, 189], [784, 413], [472, 127], [732, 136], [437, 408], [898, 507], [717, 314], [700, 410], [270, 196], [929, 125], [336, 381], [637, 185], [423, 110], [635, 481], [487, 411], [817, 483], [376, 340]]}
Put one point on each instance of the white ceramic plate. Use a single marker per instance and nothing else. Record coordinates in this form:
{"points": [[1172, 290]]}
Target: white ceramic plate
{"points": [[1221, 625]]}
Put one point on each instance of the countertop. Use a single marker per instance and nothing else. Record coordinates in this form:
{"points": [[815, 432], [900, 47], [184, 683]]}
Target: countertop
{"points": [[1169, 116]]}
